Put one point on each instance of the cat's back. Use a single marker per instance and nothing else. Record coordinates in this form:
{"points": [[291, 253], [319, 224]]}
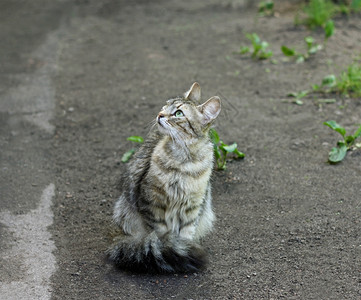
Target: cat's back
{"points": [[139, 166]]}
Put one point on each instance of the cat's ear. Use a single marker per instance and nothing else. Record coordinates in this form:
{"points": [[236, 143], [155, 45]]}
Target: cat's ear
{"points": [[194, 93], [210, 109]]}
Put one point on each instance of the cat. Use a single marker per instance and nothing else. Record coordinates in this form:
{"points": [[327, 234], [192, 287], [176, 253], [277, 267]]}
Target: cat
{"points": [[165, 208]]}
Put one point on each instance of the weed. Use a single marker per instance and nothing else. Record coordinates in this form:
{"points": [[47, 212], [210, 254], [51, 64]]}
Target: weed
{"points": [[338, 153], [298, 96], [329, 29], [265, 8], [221, 150], [318, 13], [348, 83], [355, 5], [259, 47], [312, 48], [127, 155]]}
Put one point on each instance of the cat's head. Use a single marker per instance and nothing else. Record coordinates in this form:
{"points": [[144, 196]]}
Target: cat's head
{"points": [[182, 117]]}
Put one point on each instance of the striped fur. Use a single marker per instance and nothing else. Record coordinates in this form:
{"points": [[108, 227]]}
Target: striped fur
{"points": [[165, 208]]}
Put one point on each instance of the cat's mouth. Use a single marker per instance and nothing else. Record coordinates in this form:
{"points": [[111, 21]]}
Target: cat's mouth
{"points": [[161, 121], [162, 124]]}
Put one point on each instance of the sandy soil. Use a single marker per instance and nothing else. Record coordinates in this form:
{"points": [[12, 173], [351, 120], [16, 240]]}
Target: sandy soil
{"points": [[288, 223]]}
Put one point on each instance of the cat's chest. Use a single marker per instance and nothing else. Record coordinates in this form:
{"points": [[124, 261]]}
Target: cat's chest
{"points": [[179, 183], [186, 181]]}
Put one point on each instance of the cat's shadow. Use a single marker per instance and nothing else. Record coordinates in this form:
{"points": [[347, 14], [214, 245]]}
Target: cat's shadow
{"points": [[177, 285]]}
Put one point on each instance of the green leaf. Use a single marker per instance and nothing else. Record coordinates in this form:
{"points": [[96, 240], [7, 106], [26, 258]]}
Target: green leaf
{"points": [[300, 59], [265, 55], [357, 133], [299, 102], [315, 87], [355, 5], [244, 50], [298, 95], [127, 155], [238, 153], [329, 29], [217, 154], [256, 41], [327, 101], [213, 135], [269, 5], [302, 94], [256, 49], [224, 152], [265, 6], [329, 81], [309, 41], [314, 49], [229, 148], [293, 94], [319, 12], [264, 45], [136, 139], [333, 125], [349, 140], [288, 51], [337, 153]]}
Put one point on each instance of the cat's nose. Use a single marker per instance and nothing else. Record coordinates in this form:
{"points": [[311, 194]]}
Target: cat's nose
{"points": [[160, 115]]}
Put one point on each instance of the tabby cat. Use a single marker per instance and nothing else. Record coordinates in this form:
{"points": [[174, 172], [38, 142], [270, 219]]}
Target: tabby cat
{"points": [[165, 208]]}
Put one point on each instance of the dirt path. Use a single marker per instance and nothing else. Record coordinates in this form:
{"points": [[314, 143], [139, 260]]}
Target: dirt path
{"points": [[288, 223]]}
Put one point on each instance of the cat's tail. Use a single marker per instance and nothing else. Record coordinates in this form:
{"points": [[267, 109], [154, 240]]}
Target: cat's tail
{"points": [[152, 254]]}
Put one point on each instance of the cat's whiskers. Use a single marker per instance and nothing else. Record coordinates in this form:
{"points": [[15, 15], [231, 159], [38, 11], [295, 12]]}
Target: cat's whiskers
{"points": [[151, 125], [171, 131]]}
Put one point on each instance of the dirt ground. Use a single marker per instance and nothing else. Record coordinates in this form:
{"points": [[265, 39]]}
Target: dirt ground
{"points": [[288, 223]]}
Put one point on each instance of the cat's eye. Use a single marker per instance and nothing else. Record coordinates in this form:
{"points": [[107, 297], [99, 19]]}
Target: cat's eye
{"points": [[179, 114]]}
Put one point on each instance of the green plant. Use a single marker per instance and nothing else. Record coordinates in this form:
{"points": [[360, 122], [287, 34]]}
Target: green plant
{"points": [[265, 8], [319, 12], [329, 29], [127, 155], [348, 83], [328, 82], [355, 5], [221, 150], [347, 8], [338, 153], [312, 48], [298, 96], [259, 47]]}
